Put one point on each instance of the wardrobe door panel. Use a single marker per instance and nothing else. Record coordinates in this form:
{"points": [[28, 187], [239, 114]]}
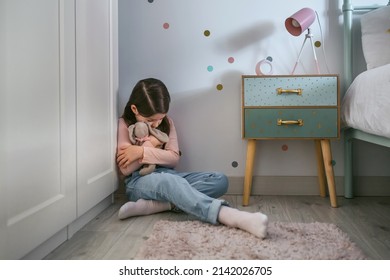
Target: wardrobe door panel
{"points": [[37, 122], [96, 91]]}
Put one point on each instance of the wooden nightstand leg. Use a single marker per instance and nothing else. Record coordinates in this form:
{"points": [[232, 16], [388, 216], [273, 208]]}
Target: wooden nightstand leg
{"points": [[320, 168], [327, 155], [250, 157]]}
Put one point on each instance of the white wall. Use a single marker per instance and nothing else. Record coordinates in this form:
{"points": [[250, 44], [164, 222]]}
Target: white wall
{"points": [[209, 120]]}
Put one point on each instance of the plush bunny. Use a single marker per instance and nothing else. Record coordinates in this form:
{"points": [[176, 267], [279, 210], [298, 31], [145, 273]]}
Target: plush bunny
{"points": [[139, 133]]}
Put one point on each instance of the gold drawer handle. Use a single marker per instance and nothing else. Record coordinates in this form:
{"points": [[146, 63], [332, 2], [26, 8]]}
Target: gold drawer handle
{"points": [[298, 122], [297, 91]]}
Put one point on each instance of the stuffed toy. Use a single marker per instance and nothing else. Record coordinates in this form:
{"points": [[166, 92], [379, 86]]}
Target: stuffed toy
{"points": [[139, 133]]}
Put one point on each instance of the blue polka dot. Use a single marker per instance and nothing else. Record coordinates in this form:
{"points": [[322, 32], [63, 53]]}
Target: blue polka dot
{"points": [[210, 68]]}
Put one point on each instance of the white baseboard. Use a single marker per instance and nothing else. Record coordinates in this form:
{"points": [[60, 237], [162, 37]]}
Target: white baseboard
{"points": [[301, 185], [89, 216], [67, 232], [304, 185]]}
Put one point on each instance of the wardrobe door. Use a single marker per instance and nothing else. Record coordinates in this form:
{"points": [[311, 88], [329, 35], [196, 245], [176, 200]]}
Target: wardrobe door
{"points": [[96, 49], [38, 141]]}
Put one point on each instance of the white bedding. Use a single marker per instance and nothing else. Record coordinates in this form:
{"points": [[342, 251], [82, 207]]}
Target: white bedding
{"points": [[366, 104]]}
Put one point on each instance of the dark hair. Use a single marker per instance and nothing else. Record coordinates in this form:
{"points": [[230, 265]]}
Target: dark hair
{"points": [[151, 97]]}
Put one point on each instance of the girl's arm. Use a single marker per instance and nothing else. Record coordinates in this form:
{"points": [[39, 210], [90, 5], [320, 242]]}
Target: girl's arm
{"points": [[131, 157], [169, 156], [127, 153]]}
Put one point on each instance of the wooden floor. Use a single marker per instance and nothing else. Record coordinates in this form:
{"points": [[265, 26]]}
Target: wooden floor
{"points": [[365, 219]]}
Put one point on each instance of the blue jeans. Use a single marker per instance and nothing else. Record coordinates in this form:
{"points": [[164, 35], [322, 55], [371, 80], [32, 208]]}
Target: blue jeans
{"points": [[195, 193]]}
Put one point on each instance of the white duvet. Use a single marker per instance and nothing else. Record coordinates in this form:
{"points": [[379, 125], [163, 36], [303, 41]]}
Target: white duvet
{"points": [[366, 104]]}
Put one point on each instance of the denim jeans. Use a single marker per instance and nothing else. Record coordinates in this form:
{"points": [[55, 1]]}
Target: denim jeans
{"points": [[195, 193]]}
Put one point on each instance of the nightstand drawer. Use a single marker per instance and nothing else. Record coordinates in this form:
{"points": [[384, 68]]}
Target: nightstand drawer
{"points": [[290, 90], [294, 107], [309, 123]]}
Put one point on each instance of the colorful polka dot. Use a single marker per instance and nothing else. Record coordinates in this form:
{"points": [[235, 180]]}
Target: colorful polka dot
{"points": [[166, 25], [333, 162], [317, 44], [284, 147], [219, 87], [231, 59], [269, 58], [234, 164], [210, 68], [207, 33]]}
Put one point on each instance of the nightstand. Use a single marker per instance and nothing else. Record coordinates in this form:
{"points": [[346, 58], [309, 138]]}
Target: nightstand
{"points": [[297, 107]]}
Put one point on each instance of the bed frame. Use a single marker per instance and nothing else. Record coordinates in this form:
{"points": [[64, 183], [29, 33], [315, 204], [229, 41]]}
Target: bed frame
{"points": [[352, 134]]}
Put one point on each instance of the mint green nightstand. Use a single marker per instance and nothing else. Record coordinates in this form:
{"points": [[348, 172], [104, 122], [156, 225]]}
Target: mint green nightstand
{"points": [[292, 107]]}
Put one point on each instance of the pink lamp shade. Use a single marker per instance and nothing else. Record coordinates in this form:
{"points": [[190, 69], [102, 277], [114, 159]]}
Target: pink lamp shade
{"points": [[300, 21]]}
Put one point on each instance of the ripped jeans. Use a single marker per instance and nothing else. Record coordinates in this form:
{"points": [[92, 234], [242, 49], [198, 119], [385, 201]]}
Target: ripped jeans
{"points": [[195, 193]]}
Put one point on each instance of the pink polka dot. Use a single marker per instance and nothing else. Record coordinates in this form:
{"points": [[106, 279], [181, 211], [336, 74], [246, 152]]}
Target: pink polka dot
{"points": [[166, 25], [231, 59]]}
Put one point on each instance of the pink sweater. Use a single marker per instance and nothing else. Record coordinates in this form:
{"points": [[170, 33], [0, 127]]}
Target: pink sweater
{"points": [[168, 157]]}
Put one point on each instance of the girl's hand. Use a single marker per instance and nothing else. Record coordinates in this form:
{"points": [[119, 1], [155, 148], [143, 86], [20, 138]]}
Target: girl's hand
{"points": [[128, 154]]}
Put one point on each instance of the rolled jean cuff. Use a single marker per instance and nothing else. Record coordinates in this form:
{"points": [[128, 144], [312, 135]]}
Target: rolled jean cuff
{"points": [[214, 210]]}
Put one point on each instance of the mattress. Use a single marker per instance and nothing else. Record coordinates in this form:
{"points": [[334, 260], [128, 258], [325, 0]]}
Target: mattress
{"points": [[366, 104]]}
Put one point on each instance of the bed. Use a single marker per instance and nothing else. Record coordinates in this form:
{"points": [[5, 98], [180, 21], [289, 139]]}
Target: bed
{"points": [[365, 108]]}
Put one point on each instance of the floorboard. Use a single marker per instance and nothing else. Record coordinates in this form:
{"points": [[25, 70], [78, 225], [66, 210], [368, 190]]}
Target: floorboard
{"points": [[365, 219]]}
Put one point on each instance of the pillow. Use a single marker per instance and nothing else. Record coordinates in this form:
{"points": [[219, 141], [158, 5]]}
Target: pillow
{"points": [[376, 37]]}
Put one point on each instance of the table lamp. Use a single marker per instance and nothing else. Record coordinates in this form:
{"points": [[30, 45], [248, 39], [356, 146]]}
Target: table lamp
{"points": [[299, 23]]}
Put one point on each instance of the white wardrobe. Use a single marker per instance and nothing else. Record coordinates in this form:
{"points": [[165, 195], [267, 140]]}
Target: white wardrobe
{"points": [[58, 85]]}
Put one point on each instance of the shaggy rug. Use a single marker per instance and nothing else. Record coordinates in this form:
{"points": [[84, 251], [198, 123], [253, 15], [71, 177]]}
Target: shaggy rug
{"points": [[186, 240]]}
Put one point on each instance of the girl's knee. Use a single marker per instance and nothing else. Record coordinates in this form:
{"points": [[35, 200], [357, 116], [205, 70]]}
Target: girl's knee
{"points": [[222, 183]]}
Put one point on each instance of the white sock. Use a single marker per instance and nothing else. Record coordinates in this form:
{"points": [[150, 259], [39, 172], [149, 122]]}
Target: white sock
{"points": [[142, 207], [254, 223]]}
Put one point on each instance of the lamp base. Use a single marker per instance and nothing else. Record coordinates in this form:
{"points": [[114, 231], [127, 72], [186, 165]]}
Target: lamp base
{"points": [[309, 36]]}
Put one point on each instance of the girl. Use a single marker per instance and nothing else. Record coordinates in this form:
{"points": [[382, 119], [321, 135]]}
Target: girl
{"points": [[165, 189]]}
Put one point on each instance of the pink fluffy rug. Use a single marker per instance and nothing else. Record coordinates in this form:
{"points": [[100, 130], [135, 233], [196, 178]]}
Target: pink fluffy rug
{"points": [[184, 240]]}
